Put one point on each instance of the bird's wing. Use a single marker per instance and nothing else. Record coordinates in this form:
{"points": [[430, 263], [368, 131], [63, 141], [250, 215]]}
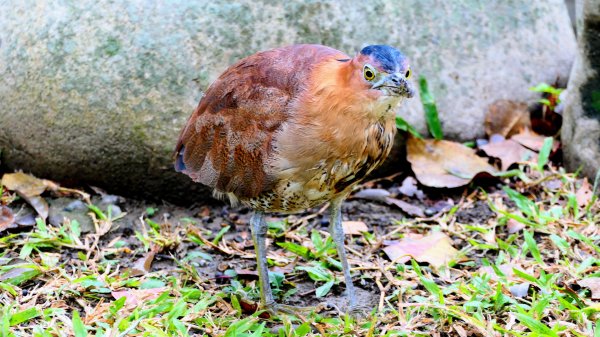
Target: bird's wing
{"points": [[227, 142]]}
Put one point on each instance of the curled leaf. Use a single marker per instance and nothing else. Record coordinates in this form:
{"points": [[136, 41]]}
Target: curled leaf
{"points": [[406, 207], [435, 249], [584, 194], [509, 152], [135, 297], [593, 283], [143, 265], [440, 163], [7, 218], [533, 141], [354, 227], [507, 118]]}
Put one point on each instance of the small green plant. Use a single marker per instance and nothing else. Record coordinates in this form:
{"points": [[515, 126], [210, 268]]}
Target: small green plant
{"points": [[552, 94], [431, 112]]}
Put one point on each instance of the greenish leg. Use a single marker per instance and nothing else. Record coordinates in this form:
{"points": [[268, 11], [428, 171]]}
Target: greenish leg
{"points": [[259, 229], [337, 233], [259, 235]]}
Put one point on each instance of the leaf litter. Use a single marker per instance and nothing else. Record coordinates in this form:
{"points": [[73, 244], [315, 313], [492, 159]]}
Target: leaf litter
{"points": [[171, 260], [515, 261]]}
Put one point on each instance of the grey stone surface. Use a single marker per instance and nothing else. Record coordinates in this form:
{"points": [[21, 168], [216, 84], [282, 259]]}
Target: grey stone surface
{"points": [[96, 91], [581, 123]]}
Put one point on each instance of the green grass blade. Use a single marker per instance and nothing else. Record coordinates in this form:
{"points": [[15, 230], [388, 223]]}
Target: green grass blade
{"points": [[403, 125], [535, 326], [533, 248], [296, 249], [430, 108], [429, 284], [24, 316], [78, 328], [545, 153]]}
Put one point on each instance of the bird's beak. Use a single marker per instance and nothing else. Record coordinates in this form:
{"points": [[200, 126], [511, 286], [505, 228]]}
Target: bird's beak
{"points": [[395, 85]]}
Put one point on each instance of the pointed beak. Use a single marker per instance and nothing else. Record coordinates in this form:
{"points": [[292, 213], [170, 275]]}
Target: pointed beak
{"points": [[395, 85]]}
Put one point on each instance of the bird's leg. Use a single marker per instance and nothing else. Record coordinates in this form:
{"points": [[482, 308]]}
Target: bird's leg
{"points": [[337, 233], [259, 235], [259, 229]]}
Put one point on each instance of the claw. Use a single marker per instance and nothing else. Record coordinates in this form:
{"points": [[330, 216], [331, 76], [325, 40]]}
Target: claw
{"points": [[274, 309]]}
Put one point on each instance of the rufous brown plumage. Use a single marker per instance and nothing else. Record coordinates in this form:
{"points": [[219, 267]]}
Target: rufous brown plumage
{"points": [[291, 128]]}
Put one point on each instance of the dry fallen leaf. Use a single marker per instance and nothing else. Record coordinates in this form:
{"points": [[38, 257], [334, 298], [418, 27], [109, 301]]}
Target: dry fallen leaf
{"points": [[30, 188], [409, 188], [584, 194], [7, 218], [519, 290], [533, 141], [593, 283], [382, 195], [441, 163], [406, 207], [507, 118], [460, 331], [435, 249], [509, 152], [377, 194], [354, 227], [143, 265], [26, 185], [514, 226], [137, 296]]}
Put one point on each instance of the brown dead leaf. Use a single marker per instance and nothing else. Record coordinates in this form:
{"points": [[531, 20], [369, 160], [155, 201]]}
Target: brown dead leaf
{"points": [[354, 227], [26, 185], [514, 226], [410, 189], [509, 152], [592, 283], [377, 194], [435, 249], [143, 265], [533, 141], [519, 290], [406, 207], [7, 218], [441, 163], [584, 194], [246, 274], [29, 188], [507, 118], [382, 195], [135, 297]]}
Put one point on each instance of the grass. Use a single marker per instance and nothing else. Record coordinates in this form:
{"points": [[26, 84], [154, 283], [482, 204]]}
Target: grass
{"points": [[56, 281]]}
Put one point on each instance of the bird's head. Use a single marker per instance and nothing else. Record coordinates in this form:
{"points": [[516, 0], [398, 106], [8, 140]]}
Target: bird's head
{"points": [[384, 71]]}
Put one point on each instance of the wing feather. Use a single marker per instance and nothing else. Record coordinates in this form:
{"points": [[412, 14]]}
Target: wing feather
{"points": [[227, 143]]}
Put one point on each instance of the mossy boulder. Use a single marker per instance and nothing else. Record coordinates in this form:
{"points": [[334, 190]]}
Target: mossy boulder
{"points": [[96, 92], [581, 123]]}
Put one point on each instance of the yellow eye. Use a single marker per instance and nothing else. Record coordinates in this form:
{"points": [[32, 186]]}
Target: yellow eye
{"points": [[369, 73], [408, 73]]}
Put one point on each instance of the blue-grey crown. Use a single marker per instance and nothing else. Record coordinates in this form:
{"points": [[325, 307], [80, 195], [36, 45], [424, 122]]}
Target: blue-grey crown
{"points": [[391, 59]]}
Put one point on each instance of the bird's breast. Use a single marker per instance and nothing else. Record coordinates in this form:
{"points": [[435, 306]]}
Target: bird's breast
{"points": [[330, 171]]}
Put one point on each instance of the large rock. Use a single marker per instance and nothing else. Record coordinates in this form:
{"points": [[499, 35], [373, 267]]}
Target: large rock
{"points": [[96, 91], [581, 123]]}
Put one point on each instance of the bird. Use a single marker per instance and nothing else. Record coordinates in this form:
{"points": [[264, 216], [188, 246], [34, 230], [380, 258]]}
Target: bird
{"points": [[291, 128]]}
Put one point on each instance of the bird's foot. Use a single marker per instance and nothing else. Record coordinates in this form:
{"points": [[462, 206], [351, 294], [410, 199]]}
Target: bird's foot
{"points": [[275, 309], [358, 312]]}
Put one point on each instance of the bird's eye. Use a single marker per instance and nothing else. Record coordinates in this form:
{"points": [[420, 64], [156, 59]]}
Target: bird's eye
{"points": [[368, 73], [408, 73]]}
